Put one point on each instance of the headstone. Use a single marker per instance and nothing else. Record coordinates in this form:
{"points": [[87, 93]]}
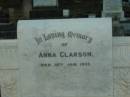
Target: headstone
{"points": [[113, 8], [66, 12], [8, 54], [112, 5], [8, 68], [65, 57], [121, 51], [121, 62], [41, 3]]}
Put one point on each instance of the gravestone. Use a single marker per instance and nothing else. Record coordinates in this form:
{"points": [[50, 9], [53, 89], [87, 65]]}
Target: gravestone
{"points": [[121, 51], [121, 63], [65, 57], [113, 8], [8, 68]]}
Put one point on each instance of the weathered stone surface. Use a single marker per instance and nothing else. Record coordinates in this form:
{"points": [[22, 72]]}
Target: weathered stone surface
{"points": [[9, 69], [8, 54], [78, 61], [8, 83], [121, 51], [122, 82], [121, 61]]}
